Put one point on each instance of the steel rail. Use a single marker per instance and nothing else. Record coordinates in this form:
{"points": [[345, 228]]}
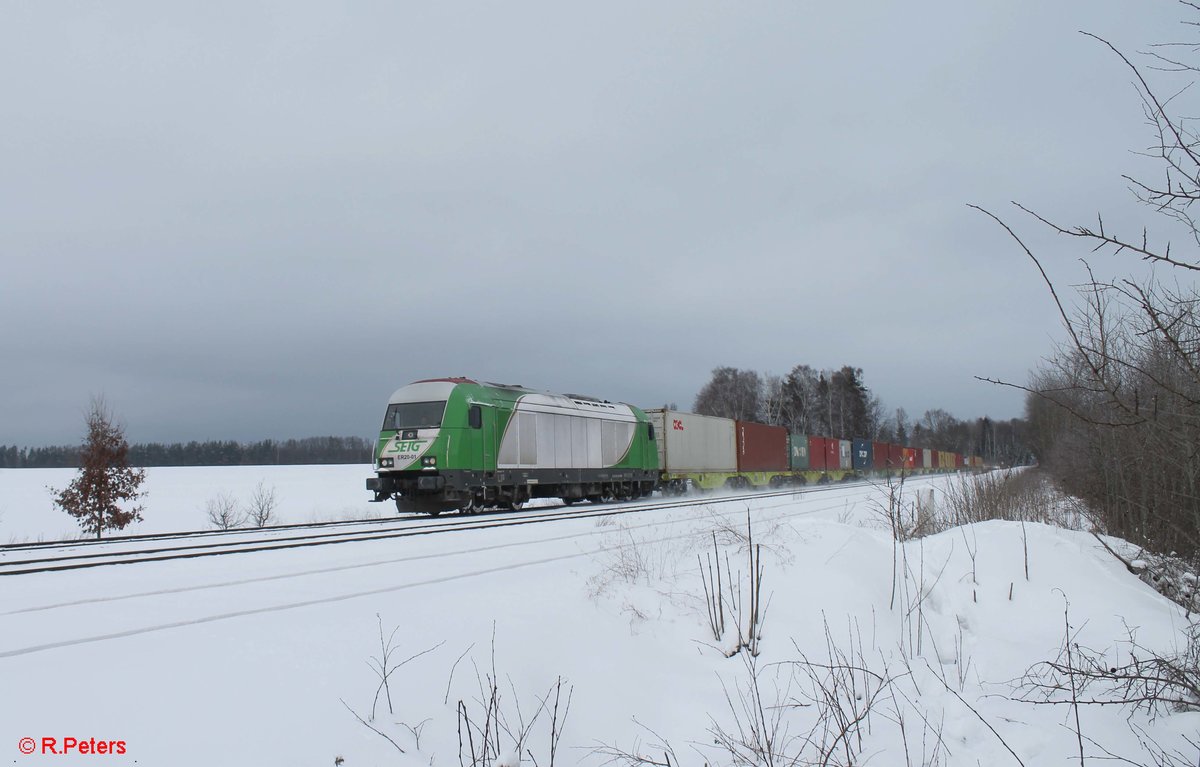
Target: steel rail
{"points": [[472, 522]]}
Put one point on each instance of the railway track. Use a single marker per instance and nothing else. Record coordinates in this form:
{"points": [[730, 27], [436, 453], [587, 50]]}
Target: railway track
{"points": [[79, 555]]}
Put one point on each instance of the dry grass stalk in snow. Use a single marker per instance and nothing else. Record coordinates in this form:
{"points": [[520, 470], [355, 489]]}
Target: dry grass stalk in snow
{"points": [[912, 516], [384, 666], [493, 730], [629, 558], [740, 596], [810, 711], [1015, 496]]}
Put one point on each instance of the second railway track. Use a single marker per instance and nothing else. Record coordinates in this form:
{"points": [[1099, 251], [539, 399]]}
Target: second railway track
{"points": [[302, 536]]}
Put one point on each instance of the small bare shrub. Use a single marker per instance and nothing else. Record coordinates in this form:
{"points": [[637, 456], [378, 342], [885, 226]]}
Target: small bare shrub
{"points": [[630, 558], [261, 510], [1130, 675], [908, 516], [1135, 676], [223, 513]]}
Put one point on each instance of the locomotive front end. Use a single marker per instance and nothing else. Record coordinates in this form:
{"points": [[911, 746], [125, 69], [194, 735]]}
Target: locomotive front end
{"points": [[413, 447]]}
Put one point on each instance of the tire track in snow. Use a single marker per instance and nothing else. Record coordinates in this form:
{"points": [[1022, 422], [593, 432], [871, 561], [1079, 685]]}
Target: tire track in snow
{"points": [[18, 652], [378, 563]]}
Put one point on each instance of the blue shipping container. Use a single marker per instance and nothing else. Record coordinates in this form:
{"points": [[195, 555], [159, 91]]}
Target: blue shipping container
{"points": [[863, 455]]}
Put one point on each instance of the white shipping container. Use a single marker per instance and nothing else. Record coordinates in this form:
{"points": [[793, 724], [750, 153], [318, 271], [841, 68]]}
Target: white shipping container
{"points": [[845, 454], [694, 444]]}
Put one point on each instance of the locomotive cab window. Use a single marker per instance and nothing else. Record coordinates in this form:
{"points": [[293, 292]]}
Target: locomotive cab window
{"points": [[413, 415], [475, 417], [650, 431]]}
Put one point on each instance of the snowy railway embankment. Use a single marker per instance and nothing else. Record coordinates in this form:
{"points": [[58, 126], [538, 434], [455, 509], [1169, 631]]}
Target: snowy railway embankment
{"points": [[929, 650]]}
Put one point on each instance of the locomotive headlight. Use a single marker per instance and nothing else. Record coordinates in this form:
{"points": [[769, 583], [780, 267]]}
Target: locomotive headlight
{"points": [[387, 463], [429, 461]]}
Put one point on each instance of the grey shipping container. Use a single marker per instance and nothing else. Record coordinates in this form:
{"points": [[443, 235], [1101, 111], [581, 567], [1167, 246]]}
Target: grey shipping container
{"points": [[862, 454], [844, 454], [694, 444], [798, 450]]}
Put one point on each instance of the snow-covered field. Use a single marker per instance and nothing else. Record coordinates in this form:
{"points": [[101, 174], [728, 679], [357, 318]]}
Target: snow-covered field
{"points": [[176, 497], [268, 658]]}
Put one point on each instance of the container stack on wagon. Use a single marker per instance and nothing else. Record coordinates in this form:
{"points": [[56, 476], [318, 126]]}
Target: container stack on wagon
{"points": [[707, 452], [695, 448]]}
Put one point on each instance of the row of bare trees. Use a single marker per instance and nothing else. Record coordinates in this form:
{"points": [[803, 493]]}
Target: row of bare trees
{"points": [[837, 403], [1114, 412], [808, 401]]}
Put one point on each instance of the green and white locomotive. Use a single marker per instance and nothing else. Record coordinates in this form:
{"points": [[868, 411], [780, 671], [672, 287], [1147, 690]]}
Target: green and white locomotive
{"points": [[453, 443]]}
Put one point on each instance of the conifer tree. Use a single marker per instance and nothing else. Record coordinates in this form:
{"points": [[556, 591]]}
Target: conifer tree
{"points": [[105, 480]]}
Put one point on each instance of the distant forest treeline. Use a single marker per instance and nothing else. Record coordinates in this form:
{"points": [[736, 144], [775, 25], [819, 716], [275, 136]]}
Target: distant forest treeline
{"points": [[837, 403], [267, 452]]}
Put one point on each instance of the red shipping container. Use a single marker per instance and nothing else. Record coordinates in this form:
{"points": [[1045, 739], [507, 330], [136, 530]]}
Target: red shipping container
{"points": [[909, 455], [879, 455], [895, 456], [833, 453], [958, 461], [761, 447], [817, 453]]}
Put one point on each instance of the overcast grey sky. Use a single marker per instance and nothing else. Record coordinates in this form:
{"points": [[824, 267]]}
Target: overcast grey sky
{"points": [[257, 219]]}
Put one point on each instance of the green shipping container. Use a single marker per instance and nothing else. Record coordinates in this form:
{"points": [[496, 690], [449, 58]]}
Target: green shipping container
{"points": [[798, 452]]}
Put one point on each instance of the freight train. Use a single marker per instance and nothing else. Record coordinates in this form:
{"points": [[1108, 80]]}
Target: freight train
{"points": [[454, 443]]}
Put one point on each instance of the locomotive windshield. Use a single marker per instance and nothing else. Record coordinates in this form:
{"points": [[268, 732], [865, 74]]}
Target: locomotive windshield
{"points": [[413, 415]]}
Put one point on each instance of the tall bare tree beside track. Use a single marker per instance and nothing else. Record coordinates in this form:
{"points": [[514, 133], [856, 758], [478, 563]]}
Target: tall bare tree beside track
{"points": [[731, 393], [105, 481], [1115, 411]]}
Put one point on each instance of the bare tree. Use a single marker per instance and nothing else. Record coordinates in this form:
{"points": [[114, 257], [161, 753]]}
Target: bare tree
{"points": [[223, 513], [731, 393], [105, 480], [772, 399], [1115, 411], [261, 511], [903, 426], [800, 400]]}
